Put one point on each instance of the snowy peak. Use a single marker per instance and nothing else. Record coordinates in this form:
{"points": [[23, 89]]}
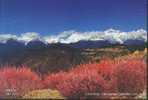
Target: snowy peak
{"points": [[111, 35]]}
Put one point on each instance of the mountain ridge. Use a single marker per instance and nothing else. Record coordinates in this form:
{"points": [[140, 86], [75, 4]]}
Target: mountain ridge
{"points": [[45, 57]]}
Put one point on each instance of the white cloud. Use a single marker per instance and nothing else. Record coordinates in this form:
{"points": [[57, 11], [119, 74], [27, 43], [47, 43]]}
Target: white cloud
{"points": [[111, 35], [5, 37], [29, 36]]}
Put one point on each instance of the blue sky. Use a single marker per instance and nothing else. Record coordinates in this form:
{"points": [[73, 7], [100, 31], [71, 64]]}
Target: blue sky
{"points": [[49, 17]]}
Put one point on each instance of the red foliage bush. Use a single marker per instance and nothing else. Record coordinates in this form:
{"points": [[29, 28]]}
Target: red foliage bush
{"points": [[81, 81], [108, 76], [15, 82], [131, 76]]}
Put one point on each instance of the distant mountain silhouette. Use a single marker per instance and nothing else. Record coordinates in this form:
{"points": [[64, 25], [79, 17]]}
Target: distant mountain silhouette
{"points": [[45, 58], [133, 45], [10, 49], [91, 44], [40, 57], [36, 44], [134, 42]]}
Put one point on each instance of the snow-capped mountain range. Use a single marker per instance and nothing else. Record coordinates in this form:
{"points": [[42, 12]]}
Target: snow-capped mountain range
{"points": [[67, 37]]}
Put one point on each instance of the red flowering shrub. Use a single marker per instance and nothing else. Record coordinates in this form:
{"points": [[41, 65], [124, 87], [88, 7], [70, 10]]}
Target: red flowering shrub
{"points": [[131, 76], [15, 82]]}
